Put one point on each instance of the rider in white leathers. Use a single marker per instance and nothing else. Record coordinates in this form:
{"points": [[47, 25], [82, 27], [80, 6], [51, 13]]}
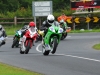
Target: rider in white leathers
{"points": [[3, 36]]}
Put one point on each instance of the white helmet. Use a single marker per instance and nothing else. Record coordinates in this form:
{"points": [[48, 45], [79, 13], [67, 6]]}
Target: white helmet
{"points": [[50, 19], [61, 21]]}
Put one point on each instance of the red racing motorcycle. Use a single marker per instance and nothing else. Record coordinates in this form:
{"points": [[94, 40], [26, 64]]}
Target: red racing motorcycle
{"points": [[27, 41]]}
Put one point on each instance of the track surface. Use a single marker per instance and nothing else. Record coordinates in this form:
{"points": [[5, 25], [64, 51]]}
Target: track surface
{"points": [[74, 56]]}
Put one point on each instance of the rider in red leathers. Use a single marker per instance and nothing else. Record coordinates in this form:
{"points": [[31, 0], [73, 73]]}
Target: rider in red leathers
{"points": [[32, 30]]}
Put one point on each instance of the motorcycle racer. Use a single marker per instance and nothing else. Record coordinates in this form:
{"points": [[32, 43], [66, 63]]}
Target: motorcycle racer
{"points": [[47, 23], [32, 28], [24, 29], [3, 35], [63, 24]]}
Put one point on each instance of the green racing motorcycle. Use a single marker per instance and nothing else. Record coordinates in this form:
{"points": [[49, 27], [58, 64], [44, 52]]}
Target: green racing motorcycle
{"points": [[51, 39], [16, 39]]}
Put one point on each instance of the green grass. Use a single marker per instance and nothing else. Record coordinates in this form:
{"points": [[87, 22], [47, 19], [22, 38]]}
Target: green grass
{"points": [[96, 46], [12, 29], [11, 70]]}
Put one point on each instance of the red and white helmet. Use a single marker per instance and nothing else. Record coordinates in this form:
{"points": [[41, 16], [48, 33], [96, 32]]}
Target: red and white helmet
{"points": [[31, 24]]}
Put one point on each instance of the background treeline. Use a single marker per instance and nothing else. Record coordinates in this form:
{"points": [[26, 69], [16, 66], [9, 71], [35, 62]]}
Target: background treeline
{"points": [[23, 8]]}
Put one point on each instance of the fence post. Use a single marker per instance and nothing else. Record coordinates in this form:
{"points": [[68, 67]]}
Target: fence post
{"points": [[15, 20]]}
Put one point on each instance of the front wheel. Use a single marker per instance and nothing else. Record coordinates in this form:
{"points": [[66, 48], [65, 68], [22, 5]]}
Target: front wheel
{"points": [[44, 51], [54, 45], [15, 42], [21, 49], [27, 47]]}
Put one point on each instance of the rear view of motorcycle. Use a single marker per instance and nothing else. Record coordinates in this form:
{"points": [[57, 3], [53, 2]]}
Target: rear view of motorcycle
{"points": [[16, 39], [51, 39]]}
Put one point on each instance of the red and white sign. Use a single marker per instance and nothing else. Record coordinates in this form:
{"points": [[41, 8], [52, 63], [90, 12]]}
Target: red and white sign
{"points": [[85, 4]]}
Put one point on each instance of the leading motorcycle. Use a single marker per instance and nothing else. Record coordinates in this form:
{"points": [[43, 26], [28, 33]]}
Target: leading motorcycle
{"points": [[51, 39]]}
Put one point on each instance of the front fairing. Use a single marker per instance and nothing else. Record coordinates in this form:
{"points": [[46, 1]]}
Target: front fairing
{"points": [[31, 34], [30, 37], [53, 31], [18, 34]]}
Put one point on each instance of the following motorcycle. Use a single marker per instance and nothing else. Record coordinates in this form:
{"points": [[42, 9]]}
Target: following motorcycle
{"points": [[2, 41], [51, 39], [27, 41], [16, 39], [65, 33]]}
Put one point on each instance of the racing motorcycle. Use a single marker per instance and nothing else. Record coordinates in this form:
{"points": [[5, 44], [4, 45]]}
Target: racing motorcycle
{"points": [[16, 39], [65, 33], [27, 41], [51, 39], [2, 39]]}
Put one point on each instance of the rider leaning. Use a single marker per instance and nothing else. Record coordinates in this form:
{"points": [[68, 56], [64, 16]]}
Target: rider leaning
{"points": [[47, 23], [23, 30], [2, 34], [31, 26]]}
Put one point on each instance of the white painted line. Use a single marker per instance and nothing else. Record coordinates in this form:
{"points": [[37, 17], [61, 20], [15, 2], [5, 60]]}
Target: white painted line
{"points": [[37, 48], [68, 36], [79, 57]]}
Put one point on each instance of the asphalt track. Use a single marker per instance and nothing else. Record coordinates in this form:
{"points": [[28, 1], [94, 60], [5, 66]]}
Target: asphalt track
{"points": [[74, 56]]}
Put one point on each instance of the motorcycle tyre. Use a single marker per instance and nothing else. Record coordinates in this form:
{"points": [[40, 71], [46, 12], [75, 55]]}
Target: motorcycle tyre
{"points": [[17, 45], [27, 48], [21, 52], [45, 53], [14, 43], [64, 36], [55, 45]]}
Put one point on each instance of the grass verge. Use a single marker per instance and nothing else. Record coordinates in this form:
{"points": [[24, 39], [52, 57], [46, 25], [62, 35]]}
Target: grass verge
{"points": [[10, 30], [11, 70], [96, 46]]}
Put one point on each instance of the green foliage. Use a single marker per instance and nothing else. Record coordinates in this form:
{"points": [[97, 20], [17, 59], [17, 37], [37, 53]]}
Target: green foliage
{"points": [[22, 12], [23, 8]]}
